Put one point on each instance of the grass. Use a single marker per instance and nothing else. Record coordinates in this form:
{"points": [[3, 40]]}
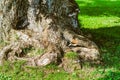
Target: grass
{"points": [[20, 72], [71, 55], [101, 18]]}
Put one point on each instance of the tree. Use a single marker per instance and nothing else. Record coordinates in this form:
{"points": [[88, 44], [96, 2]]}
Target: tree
{"points": [[51, 25]]}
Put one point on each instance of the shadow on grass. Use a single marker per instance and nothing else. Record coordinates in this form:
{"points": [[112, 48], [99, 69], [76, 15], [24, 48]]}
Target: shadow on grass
{"points": [[111, 76], [108, 40], [99, 7]]}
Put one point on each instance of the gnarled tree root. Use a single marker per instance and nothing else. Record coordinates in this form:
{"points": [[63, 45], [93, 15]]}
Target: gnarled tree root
{"points": [[83, 48]]}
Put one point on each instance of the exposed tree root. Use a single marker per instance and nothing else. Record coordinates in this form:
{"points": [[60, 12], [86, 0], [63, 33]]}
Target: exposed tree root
{"points": [[85, 49]]}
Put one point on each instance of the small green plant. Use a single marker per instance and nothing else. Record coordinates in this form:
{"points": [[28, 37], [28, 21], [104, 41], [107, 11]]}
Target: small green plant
{"points": [[4, 77], [3, 43], [71, 55], [27, 50], [32, 51]]}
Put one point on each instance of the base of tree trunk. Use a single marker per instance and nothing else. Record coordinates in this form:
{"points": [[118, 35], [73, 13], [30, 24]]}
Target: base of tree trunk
{"points": [[48, 25], [71, 51]]}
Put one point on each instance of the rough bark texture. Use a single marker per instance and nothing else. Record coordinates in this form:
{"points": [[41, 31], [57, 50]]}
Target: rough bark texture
{"points": [[51, 25]]}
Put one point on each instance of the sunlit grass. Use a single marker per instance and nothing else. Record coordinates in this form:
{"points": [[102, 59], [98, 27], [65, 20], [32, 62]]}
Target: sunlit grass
{"points": [[104, 13], [95, 22], [100, 17]]}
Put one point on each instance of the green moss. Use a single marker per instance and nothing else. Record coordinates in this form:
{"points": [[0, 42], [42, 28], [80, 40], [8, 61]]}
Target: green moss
{"points": [[71, 55], [31, 51]]}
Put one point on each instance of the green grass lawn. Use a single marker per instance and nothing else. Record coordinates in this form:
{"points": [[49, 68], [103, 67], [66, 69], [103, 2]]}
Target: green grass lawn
{"points": [[101, 18]]}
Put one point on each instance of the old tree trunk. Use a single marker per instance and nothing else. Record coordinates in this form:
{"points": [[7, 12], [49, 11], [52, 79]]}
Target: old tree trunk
{"points": [[50, 26]]}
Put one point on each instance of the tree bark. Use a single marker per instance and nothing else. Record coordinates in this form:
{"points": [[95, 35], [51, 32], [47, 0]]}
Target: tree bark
{"points": [[51, 25]]}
